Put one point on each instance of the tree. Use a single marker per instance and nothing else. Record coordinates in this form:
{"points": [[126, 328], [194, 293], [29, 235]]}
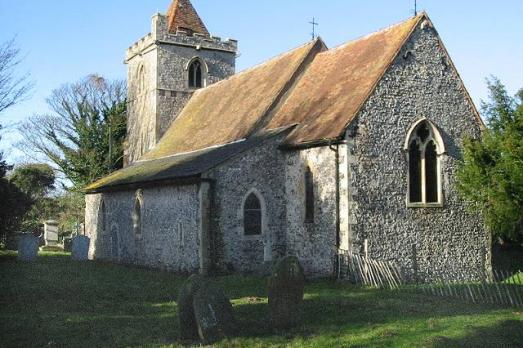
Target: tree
{"points": [[491, 172], [13, 88], [36, 181], [84, 135]]}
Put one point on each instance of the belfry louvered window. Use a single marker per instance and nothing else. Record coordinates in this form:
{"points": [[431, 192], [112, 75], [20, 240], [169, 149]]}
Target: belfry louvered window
{"points": [[424, 147], [196, 74]]}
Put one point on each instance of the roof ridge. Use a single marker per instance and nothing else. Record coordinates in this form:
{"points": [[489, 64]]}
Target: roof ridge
{"points": [[378, 31]]}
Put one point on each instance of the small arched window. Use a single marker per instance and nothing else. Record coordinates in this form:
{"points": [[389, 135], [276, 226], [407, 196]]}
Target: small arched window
{"points": [[309, 195], [141, 80], [424, 145], [137, 216], [103, 217], [252, 216], [196, 74]]}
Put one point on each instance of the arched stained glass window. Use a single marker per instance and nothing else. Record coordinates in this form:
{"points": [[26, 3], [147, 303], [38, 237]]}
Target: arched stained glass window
{"points": [[252, 216]]}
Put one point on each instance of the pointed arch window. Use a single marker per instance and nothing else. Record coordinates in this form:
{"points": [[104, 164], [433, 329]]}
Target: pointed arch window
{"points": [[252, 215], [309, 195], [424, 147], [196, 74], [137, 215]]}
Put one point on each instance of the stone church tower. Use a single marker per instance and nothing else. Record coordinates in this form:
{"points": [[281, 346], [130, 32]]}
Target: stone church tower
{"points": [[165, 67]]}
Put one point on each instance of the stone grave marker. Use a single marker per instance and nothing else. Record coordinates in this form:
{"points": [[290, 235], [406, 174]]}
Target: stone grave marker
{"points": [[204, 311], [187, 321], [80, 248], [286, 286], [28, 247], [213, 313], [51, 233]]}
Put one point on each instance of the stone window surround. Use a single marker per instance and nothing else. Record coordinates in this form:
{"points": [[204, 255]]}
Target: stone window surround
{"points": [[435, 136], [263, 215], [138, 202], [205, 72]]}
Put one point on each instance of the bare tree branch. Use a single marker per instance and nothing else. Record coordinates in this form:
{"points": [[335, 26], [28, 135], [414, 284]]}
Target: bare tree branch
{"points": [[13, 88]]}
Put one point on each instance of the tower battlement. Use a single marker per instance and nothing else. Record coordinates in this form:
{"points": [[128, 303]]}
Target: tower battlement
{"points": [[165, 67], [160, 35]]}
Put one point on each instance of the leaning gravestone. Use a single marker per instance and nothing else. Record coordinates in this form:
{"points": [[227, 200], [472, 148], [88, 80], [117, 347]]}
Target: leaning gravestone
{"points": [[286, 286], [213, 313], [187, 321], [80, 248], [28, 247]]}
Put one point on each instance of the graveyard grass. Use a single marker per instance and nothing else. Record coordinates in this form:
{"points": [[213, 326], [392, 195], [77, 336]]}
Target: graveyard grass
{"points": [[57, 302]]}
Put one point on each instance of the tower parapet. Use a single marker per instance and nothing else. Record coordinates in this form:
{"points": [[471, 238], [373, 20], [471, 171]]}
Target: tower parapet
{"points": [[165, 67]]}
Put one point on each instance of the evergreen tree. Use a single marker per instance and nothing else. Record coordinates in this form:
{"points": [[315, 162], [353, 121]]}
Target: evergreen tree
{"points": [[491, 173]]}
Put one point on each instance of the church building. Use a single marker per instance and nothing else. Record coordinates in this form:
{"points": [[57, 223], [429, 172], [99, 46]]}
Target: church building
{"points": [[313, 153]]}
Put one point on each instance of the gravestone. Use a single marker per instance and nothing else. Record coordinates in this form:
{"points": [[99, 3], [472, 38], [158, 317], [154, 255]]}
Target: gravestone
{"points": [[80, 248], [204, 311], [51, 233], [28, 247], [213, 313], [187, 321], [286, 286]]}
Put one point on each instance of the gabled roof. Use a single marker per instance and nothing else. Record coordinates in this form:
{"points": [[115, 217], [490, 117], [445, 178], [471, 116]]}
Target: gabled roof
{"points": [[232, 109], [338, 83], [182, 15], [182, 166], [314, 91]]}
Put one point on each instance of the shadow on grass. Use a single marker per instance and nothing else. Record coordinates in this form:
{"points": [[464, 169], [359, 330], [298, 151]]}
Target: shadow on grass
{"points": [[64, 303], [507, 333]]}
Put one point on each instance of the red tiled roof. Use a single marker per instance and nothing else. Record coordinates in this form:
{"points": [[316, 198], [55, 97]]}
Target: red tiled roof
{"points": [[182, 15], [232, 109]]}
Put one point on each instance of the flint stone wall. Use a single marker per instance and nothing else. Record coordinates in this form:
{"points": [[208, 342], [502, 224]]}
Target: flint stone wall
{"points": [[169, 234], [448, 241], [260, 169]]}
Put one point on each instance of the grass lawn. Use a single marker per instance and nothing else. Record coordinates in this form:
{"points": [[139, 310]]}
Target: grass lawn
{"points": [[57, 302]]}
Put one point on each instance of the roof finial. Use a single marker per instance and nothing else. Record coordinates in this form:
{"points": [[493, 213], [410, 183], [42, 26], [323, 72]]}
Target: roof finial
{"points": [[314, 24], [415, 7]]}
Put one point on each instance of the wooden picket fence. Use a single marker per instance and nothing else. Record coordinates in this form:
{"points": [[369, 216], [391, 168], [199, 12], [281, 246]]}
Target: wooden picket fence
{"points": [[504, 288], [361, 269]]}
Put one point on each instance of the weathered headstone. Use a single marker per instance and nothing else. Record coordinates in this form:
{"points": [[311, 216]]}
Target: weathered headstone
{"points": [[203, 310], [80, 248], [28, 247], [286, 286], [187, 321], [213, 313], [51, 233]]}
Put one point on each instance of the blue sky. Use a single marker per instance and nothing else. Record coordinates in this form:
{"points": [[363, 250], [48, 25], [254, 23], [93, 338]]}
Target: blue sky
{"points": [[65, 40]]}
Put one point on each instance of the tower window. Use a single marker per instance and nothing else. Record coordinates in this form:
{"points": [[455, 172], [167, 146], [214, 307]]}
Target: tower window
{"points": [[424, 149], [252, 216], [309, 195], [196, 74]]}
